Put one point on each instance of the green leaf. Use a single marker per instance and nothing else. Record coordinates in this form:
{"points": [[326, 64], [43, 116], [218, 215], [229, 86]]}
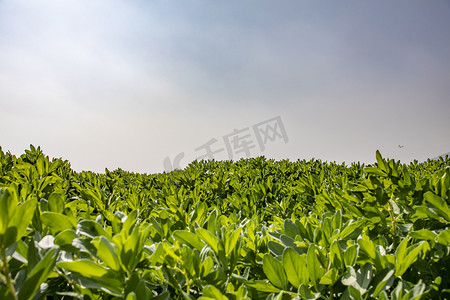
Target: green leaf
{"points": [[58, 222], [262, 286], [350, 228], [189, 238], [336, 256], [131, 296], [367, 246], [350, 255], [295, 267], [230, 242], [91, 229], [276, 248], [307, 294], [95, 196], [439, 203], [290, 228], [382, 164], [212, 221], [315, 269], [19, 222], [132, 249], [107, 252], [330, 277], [423, 234], [85, 267], [384, 283], [56, 203], [275, 272], [40, 165], [405, 257], [8, 205], [212, 292], [153, 259], [206, 266], [360, 279], [375, 171], [38, 275], [208, 238], [417, 291], [444, 237], [352, 293], [65, 239]]}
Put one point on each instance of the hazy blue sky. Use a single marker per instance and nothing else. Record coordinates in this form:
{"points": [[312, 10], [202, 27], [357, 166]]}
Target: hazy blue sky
{"points": [[108, 84]]}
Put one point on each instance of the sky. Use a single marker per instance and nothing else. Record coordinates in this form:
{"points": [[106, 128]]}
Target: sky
{"points": [[149, 86]]}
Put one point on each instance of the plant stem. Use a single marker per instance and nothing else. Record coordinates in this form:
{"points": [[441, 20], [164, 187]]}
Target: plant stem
{"points": [[6, 272]]}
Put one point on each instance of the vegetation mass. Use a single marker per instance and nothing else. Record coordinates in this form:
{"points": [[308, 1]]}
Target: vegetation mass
{"points": [[251, 229]]}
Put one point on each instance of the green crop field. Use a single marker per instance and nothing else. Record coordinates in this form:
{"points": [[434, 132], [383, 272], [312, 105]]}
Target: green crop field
{"points": [[251, 229]]}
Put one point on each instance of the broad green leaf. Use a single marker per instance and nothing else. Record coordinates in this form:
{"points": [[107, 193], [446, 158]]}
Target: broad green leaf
{"points": [[163, 296], [65, 239], [352, 293], [417, 291], [262, 286], [56, 203], [330, 277], [336, 221], [290, 228], [91, 229], [212, 292], [95, 196], [189, 238], [384, 283], [8, 205], [444, 237], [439, 203], [315, 269], [307, 294], [85, 267], [24, 214], [276, 248], [41, 165], [208, 238], [212, 221], [58, 222], [423, 234], [367, 246], [230, 242], [107, 252], [359, 279], [375, 171], [207, 266], [382, 164], [131, 296], [19, 222], [154, 258], [38, 275], [132, 246], [274, 272], [129, 221], [295, 266], [350, 255], [350, 228], [336, 256], [406, 257]]}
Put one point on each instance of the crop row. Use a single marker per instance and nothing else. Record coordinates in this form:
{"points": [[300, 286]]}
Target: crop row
{"points": [[250, 229]]}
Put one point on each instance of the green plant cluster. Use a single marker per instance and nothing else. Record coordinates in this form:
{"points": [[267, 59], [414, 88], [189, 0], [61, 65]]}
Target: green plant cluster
{"points": [[251, 229]]}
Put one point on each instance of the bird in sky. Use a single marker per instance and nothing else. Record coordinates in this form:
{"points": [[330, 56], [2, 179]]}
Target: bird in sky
{"points": [[401, 146]]}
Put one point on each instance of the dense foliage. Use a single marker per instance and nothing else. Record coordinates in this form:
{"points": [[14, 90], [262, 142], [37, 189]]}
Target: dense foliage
{"points": [[251, 229]]}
